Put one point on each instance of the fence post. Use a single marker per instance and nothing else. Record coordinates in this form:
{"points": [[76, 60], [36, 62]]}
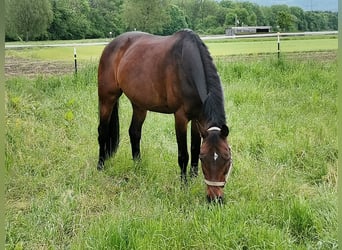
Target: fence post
{"points": [[278, 45], [75, 60]]}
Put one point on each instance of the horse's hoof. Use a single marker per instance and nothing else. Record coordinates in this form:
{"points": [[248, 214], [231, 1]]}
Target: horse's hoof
{"points": [[193, 174], [194, 171], [100, 166]]}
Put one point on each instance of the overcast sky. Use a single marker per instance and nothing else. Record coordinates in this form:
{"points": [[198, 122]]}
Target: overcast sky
{"points": [[329, 5]]}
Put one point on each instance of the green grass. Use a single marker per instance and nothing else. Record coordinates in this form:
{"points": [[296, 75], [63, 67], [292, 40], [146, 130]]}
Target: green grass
{"points": [[270, 46], [217, 48], [84, 53], [281, 194]]}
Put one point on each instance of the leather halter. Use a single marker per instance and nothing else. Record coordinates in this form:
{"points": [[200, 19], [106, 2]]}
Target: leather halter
{"points": [[219, 183], [214, 129]]}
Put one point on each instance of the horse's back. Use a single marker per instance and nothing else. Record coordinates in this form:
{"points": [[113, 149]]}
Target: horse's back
{"points": [[150, 70]]}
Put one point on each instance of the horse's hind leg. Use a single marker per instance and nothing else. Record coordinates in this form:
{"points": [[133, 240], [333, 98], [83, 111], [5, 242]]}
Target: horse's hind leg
{"points": [[195, 149], [138, 119]]}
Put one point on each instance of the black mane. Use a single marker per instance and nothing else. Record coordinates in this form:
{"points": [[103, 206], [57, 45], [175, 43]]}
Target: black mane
{"points": [[213, 106]]}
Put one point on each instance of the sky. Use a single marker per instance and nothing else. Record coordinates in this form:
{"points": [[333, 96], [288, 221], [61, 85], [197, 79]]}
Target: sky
{"points": [[323, 5]]}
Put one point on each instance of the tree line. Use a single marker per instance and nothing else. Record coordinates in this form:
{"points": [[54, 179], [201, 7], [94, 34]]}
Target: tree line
{"points": [[79, 19]]}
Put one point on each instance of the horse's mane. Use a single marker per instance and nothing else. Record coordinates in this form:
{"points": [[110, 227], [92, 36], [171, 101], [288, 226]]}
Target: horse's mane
{"points": [[213, 105]]}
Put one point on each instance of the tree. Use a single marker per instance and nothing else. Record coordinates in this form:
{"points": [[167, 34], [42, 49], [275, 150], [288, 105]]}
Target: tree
{"points": [[71, 19], [299, 18], [175, 21], [192, 11], [145, 15], [252, 19], [314, 20], [228, 4], [284, 20], [242, 16], [260, 16], [77, 19], [332, 19], [105, 17], [28, 19], [231, 18]]}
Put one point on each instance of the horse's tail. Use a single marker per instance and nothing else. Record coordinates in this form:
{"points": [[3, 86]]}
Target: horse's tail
{"points": [[109, 136], [113, 138]]}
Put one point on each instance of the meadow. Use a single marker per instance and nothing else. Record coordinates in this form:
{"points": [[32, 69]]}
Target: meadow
{"points": [[222, 47], [281, 194]]}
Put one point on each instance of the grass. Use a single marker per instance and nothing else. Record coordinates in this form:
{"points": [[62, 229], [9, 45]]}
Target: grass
{"points": [[217, 48], [281, 194], [84, 53], [270, 46]]}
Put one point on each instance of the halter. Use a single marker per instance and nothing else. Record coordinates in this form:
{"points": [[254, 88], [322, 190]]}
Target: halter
{"points": [[219, 183], [214, 129]]}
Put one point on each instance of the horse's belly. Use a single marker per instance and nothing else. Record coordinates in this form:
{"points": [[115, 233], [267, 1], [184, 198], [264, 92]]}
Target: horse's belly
{"points": [[151, 101], [156, 91]]}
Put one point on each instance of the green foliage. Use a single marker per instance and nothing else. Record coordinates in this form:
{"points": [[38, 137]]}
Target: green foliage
{"points": [[28, 19], [105, 17], [298, 16], [175, 22], [284, 20], [70, 19], [281, 194], [79, 19], [147, 16]]}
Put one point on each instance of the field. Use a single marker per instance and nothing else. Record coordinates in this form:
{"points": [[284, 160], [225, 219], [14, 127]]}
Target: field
{"points": [[217, 48], [60, 60], [281, 194]]}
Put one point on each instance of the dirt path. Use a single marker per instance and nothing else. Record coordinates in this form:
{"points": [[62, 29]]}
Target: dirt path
{"points": [[15, 66]]}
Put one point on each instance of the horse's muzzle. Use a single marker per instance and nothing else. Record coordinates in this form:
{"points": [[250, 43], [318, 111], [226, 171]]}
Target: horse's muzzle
{"points": [[215, 194], [215, 200]]}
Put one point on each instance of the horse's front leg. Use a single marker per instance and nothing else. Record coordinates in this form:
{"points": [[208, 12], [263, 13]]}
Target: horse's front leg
{"points": [[195, 149], [183, 157], [138, 119]]}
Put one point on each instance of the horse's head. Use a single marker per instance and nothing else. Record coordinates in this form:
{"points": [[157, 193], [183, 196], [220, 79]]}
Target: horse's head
{"points": [[216, 161]]}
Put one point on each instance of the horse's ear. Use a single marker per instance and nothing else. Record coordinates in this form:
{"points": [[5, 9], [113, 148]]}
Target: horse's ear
{"points": [[203, 132], [224, 131]]}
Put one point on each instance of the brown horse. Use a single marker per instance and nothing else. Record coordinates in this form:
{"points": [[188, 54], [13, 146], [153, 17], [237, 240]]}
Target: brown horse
{"points": [[173, 75]]}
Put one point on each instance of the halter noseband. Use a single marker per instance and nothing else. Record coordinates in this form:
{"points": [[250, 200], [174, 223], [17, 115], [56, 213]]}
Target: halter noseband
{"points": [[219, 183]]}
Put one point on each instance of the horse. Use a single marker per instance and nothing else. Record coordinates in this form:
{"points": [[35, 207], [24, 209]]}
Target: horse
{"points": [[173, 75]]}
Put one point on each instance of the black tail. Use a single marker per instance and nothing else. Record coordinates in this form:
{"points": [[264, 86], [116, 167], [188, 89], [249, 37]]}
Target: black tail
{"points": [[113, 139], [109, 136]]}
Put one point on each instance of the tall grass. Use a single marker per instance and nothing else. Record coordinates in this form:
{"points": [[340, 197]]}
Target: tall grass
{"points": [[281, 195]]}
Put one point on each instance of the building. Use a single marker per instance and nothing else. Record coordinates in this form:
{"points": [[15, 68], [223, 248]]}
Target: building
{"points": [[245, 30]]}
